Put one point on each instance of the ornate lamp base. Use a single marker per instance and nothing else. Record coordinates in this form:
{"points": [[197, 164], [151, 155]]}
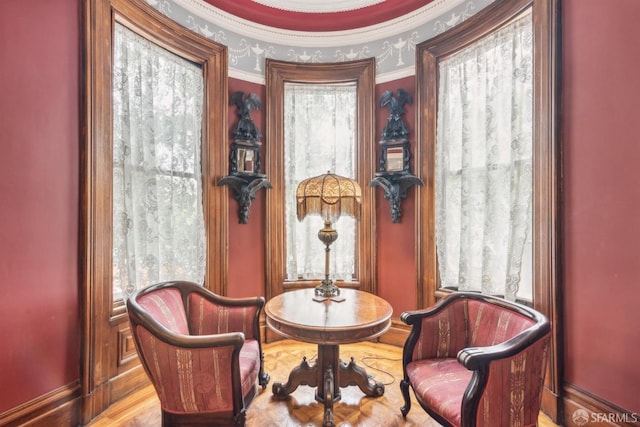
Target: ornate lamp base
{"points": [[327, 289]]}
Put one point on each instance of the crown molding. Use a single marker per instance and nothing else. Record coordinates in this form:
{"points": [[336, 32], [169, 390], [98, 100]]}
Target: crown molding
{"points": [[318, 6], [275, 35], [392, 43]]}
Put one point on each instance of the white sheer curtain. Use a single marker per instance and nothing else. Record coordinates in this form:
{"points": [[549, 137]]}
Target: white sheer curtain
{"points": [[484, 163], [158, 225], [319, 137]]}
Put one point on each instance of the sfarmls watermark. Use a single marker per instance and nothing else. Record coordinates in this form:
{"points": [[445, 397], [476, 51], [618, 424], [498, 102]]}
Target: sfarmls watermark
{"points": [[581, 417]]}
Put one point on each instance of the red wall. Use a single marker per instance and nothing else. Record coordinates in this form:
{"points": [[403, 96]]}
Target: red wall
{"points": [[602, 198], [39, 193], [396, 242], [246, 275]]}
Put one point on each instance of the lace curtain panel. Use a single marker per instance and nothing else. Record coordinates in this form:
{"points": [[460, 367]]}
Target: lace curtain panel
{"points": [[319, 137], [158, 224], [484, 164]]}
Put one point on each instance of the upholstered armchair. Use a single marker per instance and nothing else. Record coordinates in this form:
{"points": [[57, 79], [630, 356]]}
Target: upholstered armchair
{"points": [[476, 360], [201, 351]]}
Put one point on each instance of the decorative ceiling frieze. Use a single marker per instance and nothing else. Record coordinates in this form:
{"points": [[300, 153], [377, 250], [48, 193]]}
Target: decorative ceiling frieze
{"points": [[318, 6], [318, 15], [392, 42]]}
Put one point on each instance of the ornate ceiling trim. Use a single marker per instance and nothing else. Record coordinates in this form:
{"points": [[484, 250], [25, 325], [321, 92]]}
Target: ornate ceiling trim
{"points": [[329, 15], [318, 6], [392, 43], [385, 29]]}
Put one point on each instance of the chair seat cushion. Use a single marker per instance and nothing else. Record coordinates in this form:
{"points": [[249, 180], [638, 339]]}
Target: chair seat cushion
{"points": [[249, 365], [440, 384]]}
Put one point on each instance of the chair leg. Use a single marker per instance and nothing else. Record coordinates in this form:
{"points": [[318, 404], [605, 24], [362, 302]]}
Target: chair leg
{"points": [[240, 419], [404, 389], [263, 377]]}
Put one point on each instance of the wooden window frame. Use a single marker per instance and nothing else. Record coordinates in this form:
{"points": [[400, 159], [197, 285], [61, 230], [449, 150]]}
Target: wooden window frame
{"points": [[546, 162], [109, 367], [278, 73]]}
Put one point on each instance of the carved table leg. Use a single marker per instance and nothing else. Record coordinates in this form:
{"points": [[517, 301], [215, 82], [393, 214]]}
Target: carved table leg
{"points": [[328, 374], [300, 375], [328, 398], [328, 380], [352, 374]]}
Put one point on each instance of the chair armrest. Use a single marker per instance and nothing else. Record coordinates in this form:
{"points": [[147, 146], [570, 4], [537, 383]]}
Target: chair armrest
{"points": [[257, 302], [474, 358], [519, 362], [414, 316], [140, 319], [235, 339]]}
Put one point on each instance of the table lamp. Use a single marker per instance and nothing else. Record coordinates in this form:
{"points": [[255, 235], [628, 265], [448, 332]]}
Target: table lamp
{"points": [[329, 196]]}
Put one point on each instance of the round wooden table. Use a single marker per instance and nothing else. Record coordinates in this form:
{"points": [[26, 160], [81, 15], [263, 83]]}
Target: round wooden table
{"points": [[360, 316]]}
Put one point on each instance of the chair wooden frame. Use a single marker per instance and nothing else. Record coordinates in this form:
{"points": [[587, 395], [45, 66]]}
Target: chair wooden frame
{"points": [[139, 317], [476, 359]]}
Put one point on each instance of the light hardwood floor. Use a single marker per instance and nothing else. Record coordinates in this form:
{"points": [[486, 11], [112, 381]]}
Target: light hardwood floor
{"points": [[383, 362]]}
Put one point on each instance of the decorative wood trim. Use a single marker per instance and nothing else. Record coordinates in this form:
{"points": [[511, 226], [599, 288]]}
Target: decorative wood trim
{"points": [[547, 173], [429, 54], [126, 347], [396, 335], [96, 208], [551, 402], [60, 407], [277, 74], [138, 16], [600, 412], [426, 106], [103, 380], [547, 297], [121, 385]]}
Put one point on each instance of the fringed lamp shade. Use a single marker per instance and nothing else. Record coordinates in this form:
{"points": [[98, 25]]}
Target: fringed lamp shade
{"points": [[329, 196]]}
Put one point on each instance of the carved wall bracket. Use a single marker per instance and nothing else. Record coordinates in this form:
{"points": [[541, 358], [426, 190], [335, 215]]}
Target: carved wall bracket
{"points": [[395, 176], [244, 177], [395, 186], [244, 187]]}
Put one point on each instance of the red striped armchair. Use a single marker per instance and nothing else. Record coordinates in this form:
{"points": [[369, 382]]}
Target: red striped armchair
{"points": [[201, 351], [476, 361]]}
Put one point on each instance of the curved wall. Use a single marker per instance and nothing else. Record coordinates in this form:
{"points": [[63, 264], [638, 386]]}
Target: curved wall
{"points": [[392, 42], [606, 373], [39, 155]]}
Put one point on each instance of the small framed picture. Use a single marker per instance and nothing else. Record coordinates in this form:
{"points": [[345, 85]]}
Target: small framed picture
{"points": [[394, 159], [241, 156], [248, 161]]}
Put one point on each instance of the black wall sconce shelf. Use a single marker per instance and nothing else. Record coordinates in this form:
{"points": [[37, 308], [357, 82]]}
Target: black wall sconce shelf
{"points": [[395, 177], [244, 177]]}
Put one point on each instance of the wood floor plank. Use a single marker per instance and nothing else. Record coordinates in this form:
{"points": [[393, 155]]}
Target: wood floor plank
{"points": [[382, 361]]}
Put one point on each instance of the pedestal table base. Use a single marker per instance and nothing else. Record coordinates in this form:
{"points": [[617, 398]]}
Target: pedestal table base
{"points": [[328, 375]]}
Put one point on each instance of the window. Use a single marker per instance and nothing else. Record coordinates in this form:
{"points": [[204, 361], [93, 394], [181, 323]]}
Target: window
{"points": [[545, 158], [293, 263], [158, 220], [484, 163], [109, 365], [320, 136]]}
